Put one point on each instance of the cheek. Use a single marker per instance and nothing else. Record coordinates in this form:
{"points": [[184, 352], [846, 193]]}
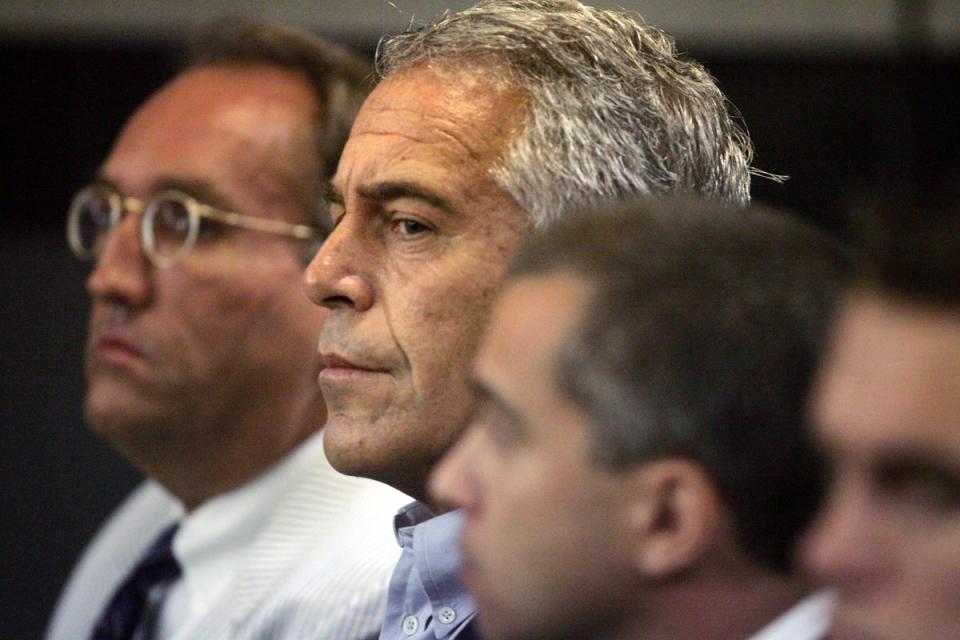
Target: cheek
{"points": [[437, 316], [936, 572], [534, 507], [230, 313]]}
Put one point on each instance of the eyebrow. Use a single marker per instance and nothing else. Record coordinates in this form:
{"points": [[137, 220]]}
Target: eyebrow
{"points": [[202, 190], [396, 189], [488, 396], [101, 180], [908, 462]]}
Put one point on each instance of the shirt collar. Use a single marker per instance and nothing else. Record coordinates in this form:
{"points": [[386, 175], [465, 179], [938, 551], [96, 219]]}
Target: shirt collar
{"points": [[437, 549], [434, 541], [407, 518], [213, 538], [807, 620]]}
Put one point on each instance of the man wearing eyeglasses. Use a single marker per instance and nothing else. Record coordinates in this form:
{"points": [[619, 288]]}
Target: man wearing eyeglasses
{"points": [[199, 359]]}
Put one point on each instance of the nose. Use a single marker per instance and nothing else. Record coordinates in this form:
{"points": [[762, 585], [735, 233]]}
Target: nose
{"points": [[454, 482], [122, 270], [843, 547], [337, 277]]}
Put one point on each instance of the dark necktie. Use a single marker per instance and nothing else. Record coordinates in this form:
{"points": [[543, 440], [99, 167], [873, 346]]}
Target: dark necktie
{"points": [[138, 597]]}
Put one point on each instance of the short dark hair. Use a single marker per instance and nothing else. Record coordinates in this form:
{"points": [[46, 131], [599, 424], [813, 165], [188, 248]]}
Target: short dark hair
{"points": [[699, 341], [907, 240]]}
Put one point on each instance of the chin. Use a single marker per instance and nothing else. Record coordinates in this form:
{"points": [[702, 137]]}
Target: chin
{"points": [[492, 628], [353, 450], [123, 419], [386, 451], [861, 625]]}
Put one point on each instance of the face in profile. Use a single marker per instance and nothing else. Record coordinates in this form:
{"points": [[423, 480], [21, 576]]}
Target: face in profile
{"points": [[422, 237], [544, 540], [887, 412], [201, 355]]}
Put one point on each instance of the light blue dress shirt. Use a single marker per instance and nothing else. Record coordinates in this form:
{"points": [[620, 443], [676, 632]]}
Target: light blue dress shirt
{"points": [[426, 600]]}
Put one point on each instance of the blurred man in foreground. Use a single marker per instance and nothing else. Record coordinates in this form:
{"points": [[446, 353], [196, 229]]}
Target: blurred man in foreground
{"points": [[200, 359], [487, 123], [887, 413], [638, 467]]}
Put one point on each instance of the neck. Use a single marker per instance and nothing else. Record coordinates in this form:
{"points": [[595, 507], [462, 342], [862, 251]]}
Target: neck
{"points": [[208, 457], [196, 474], [718, 608]]}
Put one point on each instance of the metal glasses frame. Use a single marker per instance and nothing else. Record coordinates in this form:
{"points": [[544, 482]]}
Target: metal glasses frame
{"points": [[196, 210]]}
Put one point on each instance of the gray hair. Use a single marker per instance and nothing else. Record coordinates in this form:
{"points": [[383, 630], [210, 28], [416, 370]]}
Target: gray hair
{"points": [[613, 109]]}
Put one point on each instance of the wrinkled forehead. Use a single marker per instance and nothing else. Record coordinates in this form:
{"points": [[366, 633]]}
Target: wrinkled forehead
{"points": [[481, 112]]}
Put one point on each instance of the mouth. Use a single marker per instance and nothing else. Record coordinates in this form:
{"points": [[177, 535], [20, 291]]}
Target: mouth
{"points": [[114, 348], [336, 369]]}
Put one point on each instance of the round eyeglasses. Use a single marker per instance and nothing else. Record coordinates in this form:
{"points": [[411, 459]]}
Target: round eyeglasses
{"points": [[169, 227]]}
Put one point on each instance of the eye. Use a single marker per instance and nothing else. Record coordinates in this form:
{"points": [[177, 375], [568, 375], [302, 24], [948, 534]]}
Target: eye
{"points": [[210, 228], [408, 228], [928, 489], [933, 493]]}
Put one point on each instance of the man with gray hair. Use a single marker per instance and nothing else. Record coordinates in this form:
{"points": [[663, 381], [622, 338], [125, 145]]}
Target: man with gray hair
{"points": [[200, 366], [638, 467], [487, 123]]}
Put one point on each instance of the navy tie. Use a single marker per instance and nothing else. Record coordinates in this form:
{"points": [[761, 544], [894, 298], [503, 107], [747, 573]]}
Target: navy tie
{"points": [[139, 595]]}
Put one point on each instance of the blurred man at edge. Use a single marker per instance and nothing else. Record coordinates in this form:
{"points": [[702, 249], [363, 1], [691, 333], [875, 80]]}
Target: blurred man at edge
{"points": [[887, 414]]}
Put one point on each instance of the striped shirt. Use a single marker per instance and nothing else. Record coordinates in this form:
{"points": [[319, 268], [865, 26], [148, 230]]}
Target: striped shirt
{"points": [[300, 552]]}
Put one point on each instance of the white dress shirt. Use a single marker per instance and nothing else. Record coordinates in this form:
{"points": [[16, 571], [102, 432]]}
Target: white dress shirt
{"points": [[300, 552], [212, 539], [809, 619]]}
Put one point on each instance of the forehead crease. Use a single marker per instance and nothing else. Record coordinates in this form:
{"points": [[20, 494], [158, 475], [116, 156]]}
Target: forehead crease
{"points": [[471, 138]]}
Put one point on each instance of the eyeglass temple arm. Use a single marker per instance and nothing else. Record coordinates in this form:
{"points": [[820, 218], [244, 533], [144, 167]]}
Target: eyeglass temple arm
{"points": [[299, 231]]}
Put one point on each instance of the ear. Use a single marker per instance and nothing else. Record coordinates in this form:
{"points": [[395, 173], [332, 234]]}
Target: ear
{"points": [[674, 517]]}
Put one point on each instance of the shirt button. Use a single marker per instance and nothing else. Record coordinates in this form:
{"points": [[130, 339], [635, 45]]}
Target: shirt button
{"points": [[410, 625], [447, 615]]}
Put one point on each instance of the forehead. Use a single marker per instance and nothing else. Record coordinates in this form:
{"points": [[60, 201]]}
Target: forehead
{"points": [[221, 124], [432, 118], [532, 319], [892, 377]]}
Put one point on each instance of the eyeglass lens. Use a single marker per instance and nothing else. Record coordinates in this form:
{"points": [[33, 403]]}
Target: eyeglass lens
{"points": [[94, 215], [168, 226], [171, 227]]}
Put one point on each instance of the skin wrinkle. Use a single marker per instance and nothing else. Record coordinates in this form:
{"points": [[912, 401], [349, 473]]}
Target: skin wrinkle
{"points": [[429, 291]]}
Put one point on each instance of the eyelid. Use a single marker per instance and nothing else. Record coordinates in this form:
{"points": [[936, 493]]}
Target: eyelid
{"points": [[931, 486], [401, 218]]}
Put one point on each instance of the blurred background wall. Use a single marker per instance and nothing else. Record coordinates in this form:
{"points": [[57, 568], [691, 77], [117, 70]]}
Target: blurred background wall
{"points": [[837, 94]]}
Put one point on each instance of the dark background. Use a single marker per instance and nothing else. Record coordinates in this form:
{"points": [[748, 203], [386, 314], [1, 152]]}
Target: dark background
{"points": [[836, 123]]}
